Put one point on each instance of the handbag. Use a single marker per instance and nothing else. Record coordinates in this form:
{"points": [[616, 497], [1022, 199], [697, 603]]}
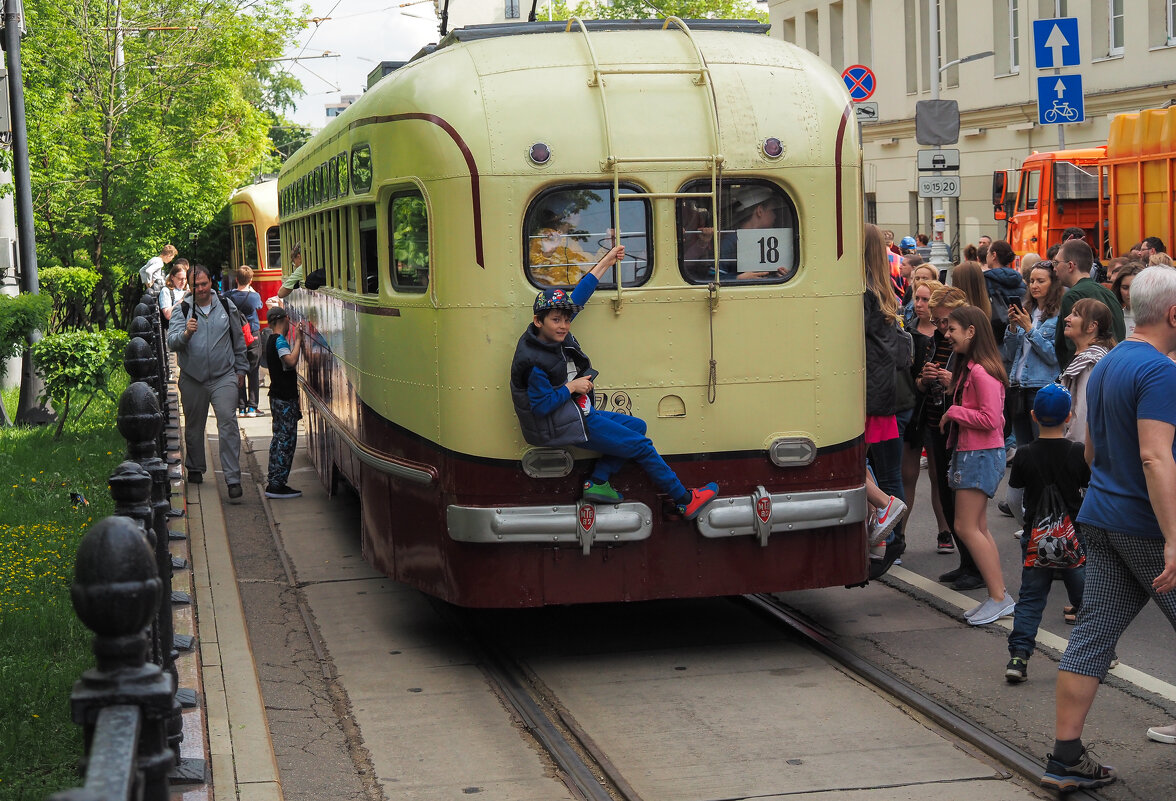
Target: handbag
{"points": [[1053, 542]]}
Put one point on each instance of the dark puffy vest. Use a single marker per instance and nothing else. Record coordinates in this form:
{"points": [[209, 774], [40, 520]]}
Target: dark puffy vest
{"points": [[564, 426]]}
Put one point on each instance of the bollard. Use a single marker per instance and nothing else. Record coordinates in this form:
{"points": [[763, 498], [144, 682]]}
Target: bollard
{"points": [[115, 592]]}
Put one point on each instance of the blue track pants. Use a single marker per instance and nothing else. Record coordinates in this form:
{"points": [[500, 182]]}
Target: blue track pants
{"points": [[621, 438]]}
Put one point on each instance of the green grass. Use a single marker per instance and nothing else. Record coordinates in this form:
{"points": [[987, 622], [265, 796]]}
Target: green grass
{"points": [[43, 646]]}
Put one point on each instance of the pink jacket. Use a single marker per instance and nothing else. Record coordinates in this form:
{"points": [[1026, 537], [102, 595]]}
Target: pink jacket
{"points": [[978, 412]]}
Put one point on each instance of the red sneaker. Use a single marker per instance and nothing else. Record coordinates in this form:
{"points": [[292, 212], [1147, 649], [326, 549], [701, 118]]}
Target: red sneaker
{"points": [[699, 498]]}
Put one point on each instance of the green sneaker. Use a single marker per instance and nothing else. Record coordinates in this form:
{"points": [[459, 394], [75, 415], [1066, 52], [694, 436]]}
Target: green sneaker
{"points": [[601, 493]]}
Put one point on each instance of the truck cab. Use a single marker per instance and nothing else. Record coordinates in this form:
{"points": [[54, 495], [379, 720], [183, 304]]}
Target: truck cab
{"points": [[1055, 191]]}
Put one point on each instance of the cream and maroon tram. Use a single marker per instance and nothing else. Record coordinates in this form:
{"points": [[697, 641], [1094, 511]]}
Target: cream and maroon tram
{"points": [[504, 160]]}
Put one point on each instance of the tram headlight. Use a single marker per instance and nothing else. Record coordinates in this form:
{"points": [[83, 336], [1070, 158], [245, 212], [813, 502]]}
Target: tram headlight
{"points": [[539, 153], [792, 452], [773, 148], [547, 463]]}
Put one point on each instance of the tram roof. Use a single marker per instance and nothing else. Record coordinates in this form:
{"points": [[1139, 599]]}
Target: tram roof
{"points": [[472, 33]]}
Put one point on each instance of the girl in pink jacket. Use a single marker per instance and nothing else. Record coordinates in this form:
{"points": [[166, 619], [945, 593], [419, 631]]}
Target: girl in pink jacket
{"points": [[976, 417]]}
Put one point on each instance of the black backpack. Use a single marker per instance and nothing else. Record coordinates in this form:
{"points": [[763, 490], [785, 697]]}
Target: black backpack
{"points": [[265, 336]]}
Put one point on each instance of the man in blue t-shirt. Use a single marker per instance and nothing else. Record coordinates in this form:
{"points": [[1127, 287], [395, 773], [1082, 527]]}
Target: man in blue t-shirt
{"points": [[1128, 518]]}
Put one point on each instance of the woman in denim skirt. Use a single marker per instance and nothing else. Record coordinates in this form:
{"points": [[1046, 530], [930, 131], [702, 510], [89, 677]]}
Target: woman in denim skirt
{"points": [[976, 418]]}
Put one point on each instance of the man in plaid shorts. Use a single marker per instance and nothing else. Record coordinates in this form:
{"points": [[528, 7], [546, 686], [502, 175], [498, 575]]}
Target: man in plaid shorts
{"points": [[1128, 517]]}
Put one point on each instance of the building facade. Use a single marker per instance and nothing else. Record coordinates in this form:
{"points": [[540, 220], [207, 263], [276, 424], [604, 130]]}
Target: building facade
{"points": [[1128, 63]]}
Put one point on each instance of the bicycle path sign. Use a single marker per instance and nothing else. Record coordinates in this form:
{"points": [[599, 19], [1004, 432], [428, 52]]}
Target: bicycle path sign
{"points": [[860, 82], [1059, 99]]}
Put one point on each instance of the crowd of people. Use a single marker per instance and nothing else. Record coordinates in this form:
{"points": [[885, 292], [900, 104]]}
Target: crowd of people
{"points": [[219, 348], [1062, 370]]}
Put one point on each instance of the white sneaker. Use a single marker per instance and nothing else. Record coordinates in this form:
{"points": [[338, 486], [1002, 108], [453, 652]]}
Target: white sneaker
{"points": [[1162, 734], [991, 611], [889, 516]]}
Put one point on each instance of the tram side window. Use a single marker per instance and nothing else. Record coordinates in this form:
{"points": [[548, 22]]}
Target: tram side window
{"points": [[369, 255], [361, 169], [759, 238], [568, 230], [273, 249], [409, 223]]}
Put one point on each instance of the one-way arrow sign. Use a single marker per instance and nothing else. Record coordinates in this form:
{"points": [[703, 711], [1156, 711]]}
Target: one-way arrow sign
{"points": [[1055, 43]]}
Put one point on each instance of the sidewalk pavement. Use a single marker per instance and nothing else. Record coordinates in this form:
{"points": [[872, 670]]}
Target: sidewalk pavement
{"points": [[238, 748]]}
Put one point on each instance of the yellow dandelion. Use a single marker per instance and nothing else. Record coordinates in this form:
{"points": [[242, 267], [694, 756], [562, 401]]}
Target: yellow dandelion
{"points": [[33, 479]]}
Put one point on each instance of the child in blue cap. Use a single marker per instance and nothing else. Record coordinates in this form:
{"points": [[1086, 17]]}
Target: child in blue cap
{"points": [[551, 385], [1051, 459]]}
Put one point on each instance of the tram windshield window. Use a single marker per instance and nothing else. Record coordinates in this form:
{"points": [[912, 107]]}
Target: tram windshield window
{"points": [[361, 168], [568, 230], [759, 238], [408, 218], [247, 254]]}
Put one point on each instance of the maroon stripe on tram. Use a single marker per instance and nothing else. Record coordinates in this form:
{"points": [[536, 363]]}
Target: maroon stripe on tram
{"points": [[475, 183], [837, 167]]}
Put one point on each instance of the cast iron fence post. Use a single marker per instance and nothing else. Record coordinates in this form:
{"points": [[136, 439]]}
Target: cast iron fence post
{"points": [[116, 592]]}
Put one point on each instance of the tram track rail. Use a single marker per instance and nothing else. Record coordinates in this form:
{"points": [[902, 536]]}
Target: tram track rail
{"points": [[591, 776], [1011, 757]]}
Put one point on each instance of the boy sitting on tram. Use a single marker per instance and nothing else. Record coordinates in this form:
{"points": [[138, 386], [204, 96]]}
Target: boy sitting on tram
{"points": [[551, 385]]}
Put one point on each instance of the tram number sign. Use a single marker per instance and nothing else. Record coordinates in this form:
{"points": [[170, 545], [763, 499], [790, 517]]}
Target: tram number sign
{"points": [[939, 186], [764, 249]]}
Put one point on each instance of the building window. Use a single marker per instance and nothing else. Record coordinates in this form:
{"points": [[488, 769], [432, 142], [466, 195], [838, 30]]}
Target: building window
{"points": [[1115, 27], [788, 30], [812, 34], [512, 9], [864, 45], [569, 229], [759, 238], [910, 33], [408, 217], [1171, 21], [872, 208], [837, 36], [1014, 36]]}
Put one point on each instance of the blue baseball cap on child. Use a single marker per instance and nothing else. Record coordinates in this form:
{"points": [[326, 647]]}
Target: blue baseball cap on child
{"points": [[1051, 405], [554, 299]]}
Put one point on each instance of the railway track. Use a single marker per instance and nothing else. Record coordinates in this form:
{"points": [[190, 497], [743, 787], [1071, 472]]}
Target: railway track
{"points": [[590, 774]]}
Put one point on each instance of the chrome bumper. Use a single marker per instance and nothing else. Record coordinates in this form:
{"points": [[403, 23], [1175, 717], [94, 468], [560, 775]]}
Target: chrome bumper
{"points": [[762, 513], [583, 523]]}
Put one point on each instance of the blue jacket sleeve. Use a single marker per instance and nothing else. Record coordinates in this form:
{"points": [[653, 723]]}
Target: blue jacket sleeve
{"points": [[543, 397], [584, 289]]}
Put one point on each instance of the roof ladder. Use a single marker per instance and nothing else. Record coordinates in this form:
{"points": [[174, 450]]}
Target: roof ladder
{"points": [[614, 163]]}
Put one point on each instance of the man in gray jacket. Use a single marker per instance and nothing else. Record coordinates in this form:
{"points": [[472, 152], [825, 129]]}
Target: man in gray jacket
{"points": [[208, 343]]}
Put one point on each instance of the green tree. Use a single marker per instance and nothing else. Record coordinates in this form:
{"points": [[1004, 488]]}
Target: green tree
{"points": [[142, 119], [643, 9], [78, 364]]}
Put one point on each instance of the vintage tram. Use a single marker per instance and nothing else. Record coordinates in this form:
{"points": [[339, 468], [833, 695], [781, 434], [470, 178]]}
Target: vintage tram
{"points": [[503, 160], [256, 240]]}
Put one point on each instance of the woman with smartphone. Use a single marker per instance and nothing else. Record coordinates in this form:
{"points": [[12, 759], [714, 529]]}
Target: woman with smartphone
{"points": [[1029, 347]]}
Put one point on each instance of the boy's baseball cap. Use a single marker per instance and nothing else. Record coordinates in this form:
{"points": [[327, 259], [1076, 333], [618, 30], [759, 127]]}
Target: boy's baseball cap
{"points": [[554, 299], [274, 314], [1051, 405]]}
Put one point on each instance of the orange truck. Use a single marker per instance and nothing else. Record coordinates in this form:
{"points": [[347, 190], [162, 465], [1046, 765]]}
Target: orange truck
{"points": [[1136, 170]]}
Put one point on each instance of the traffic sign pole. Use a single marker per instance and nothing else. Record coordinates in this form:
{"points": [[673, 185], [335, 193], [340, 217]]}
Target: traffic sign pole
{"points": [[940, 256]]}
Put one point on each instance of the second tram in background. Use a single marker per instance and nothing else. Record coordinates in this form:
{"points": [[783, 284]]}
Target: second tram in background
{"points": [[504, 160], [253, 220]]}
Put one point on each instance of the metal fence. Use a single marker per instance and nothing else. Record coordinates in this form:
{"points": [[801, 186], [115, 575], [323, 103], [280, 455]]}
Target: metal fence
{"points": [[129, 705]]}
